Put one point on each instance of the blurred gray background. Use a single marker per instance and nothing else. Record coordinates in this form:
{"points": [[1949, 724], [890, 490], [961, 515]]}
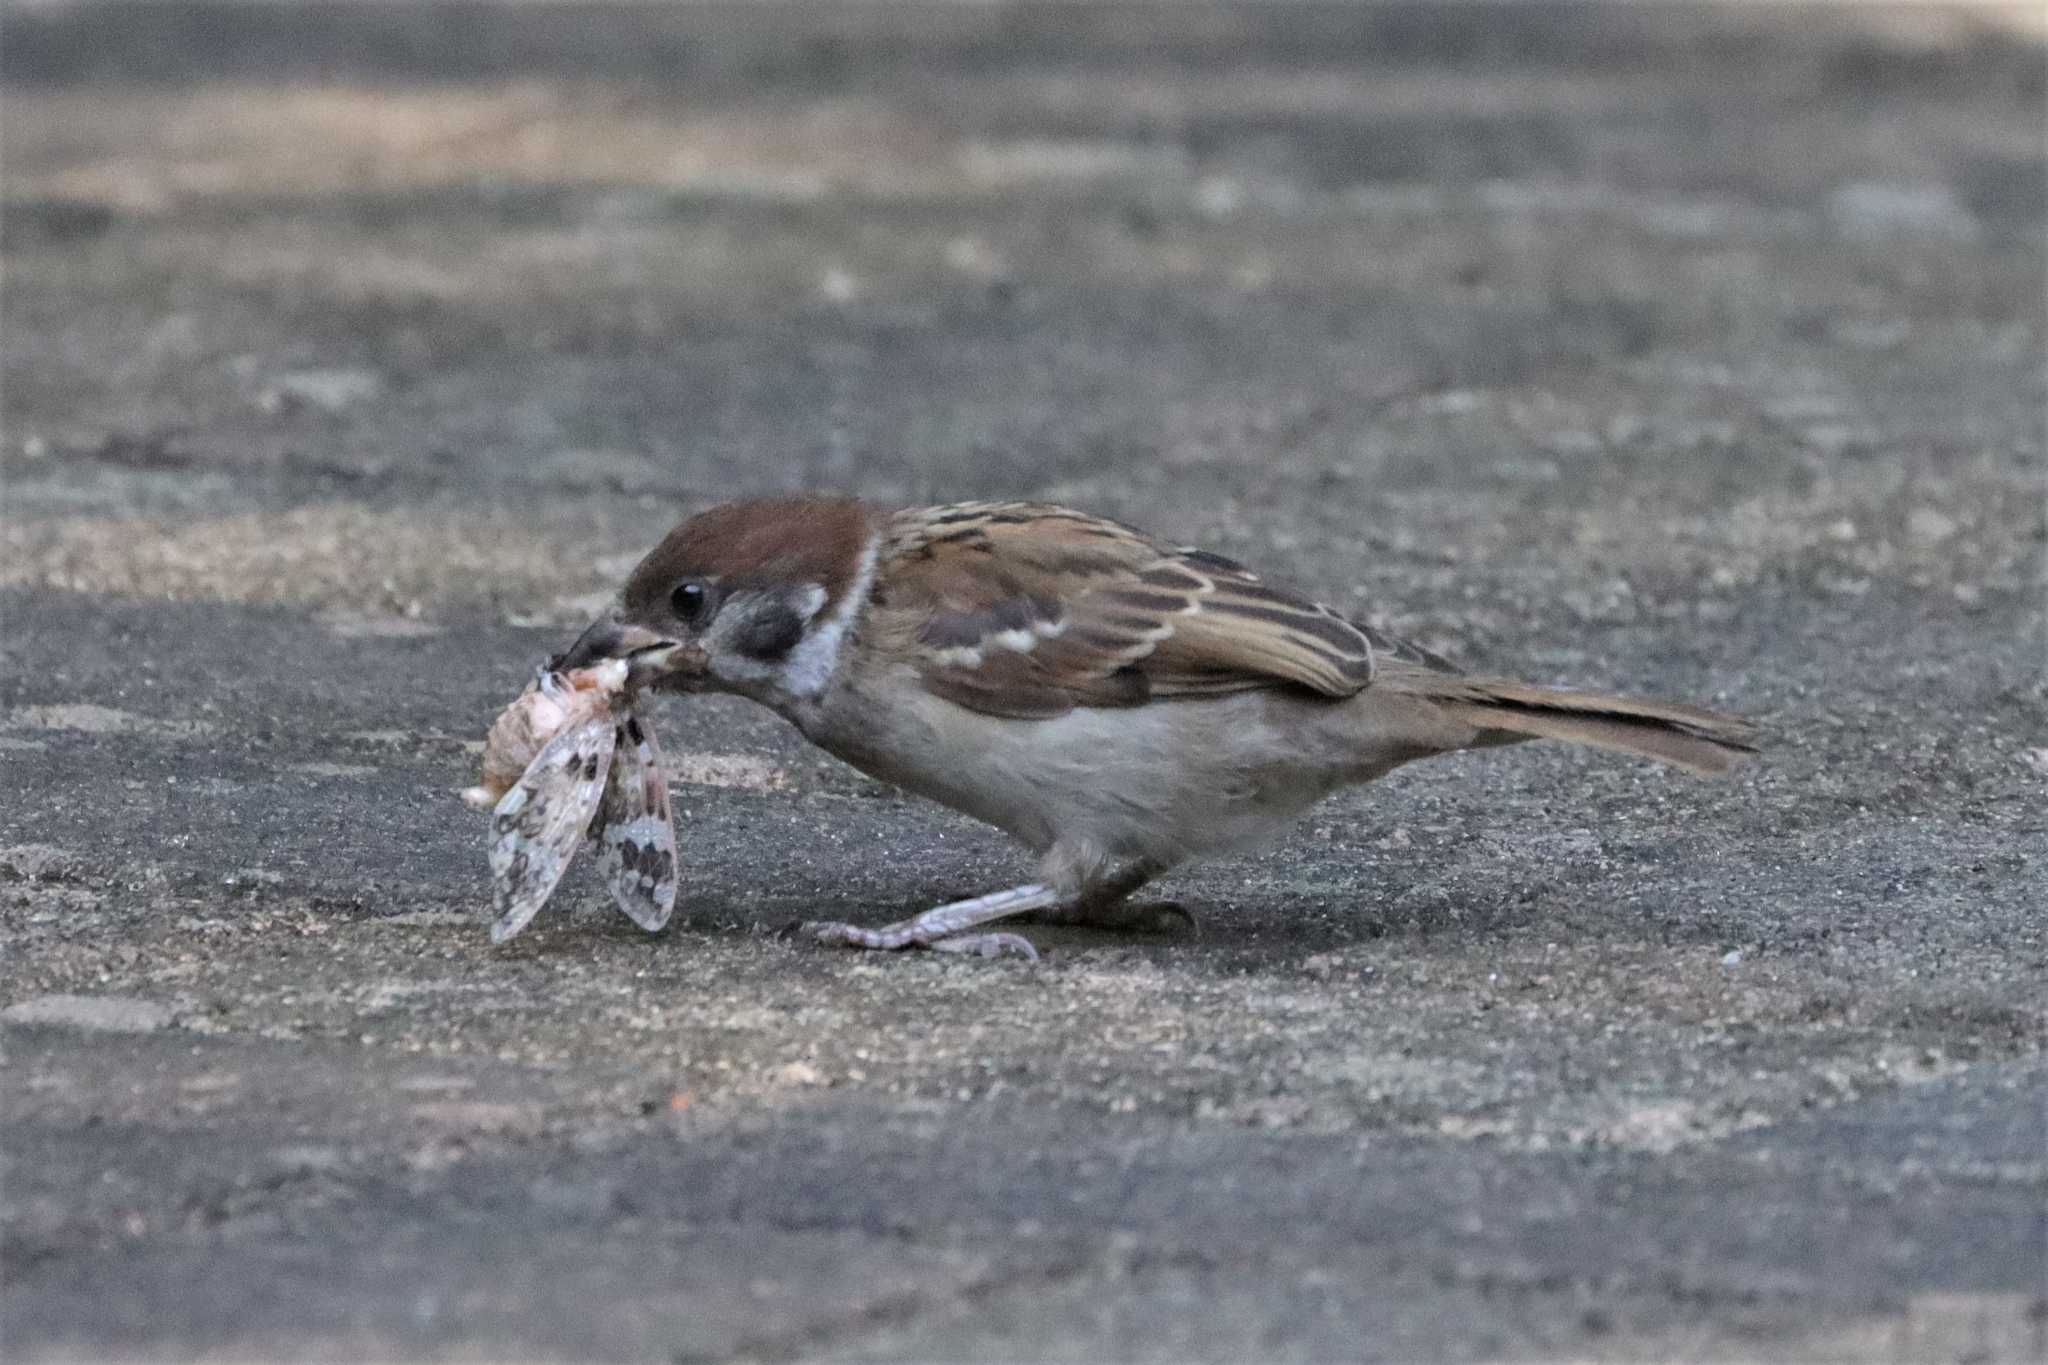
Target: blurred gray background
{"points": [[352, 353]]}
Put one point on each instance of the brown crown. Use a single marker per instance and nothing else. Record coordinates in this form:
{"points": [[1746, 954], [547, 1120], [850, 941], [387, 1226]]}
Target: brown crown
{"points": [[760, 541]]}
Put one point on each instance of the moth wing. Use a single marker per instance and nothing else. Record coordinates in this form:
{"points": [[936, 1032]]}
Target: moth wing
{"points": [[537, 825], [636, 831]]}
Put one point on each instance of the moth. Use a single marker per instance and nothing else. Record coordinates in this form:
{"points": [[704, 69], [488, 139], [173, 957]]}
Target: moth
{"points": [[571, 759]]}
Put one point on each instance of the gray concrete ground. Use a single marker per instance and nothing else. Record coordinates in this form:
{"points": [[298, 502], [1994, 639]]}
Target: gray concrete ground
{"points": [[351, 354]]}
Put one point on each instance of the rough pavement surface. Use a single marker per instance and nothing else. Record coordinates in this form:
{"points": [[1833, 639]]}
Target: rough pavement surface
{"points": [[352, 354]]}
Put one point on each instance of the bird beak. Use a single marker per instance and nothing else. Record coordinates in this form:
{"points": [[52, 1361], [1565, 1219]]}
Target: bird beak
{"points": [[650, 656]]}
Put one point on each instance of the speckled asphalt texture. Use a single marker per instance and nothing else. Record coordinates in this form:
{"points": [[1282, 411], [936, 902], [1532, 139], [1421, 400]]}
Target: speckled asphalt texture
{"points": [[352, 354]]}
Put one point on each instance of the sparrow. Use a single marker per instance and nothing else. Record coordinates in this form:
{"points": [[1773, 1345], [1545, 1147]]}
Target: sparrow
{"points": [[1117, 703]]}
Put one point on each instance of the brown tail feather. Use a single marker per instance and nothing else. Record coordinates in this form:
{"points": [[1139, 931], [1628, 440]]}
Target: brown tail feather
{"points": [[1697, 740]]}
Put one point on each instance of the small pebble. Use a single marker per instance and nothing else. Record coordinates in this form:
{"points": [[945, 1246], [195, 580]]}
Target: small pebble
{"points": [[799, 1073]]}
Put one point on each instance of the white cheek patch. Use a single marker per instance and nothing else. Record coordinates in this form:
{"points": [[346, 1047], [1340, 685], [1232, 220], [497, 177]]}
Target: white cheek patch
{"points": [[729, 662], [734, 664], [811, 665]]}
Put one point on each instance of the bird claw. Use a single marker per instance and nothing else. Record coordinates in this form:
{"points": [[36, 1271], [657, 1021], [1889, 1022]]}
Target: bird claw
{"points": [[986, 945], [883, 940], [847, 935]]}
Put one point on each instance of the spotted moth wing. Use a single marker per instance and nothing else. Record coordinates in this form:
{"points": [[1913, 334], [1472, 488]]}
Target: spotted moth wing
{"points": [[635, 830], [536, 826]]}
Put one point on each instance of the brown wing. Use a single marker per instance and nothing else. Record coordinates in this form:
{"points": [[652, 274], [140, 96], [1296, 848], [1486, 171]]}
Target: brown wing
{"points": [[1029, 610]]}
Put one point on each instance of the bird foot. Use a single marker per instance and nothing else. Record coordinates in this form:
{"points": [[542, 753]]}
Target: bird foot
{"points": [[889, 939], [942, 929]]}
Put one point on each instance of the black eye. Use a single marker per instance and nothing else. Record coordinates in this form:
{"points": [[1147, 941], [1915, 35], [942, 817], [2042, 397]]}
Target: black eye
{"points": [[688, 601]]}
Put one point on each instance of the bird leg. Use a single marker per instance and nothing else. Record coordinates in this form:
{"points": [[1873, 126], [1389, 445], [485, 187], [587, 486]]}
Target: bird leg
{"points": [[936, 928], [1106, 905]]}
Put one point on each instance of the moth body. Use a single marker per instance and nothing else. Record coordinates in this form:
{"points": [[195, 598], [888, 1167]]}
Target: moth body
{"points": [[571, 758]]}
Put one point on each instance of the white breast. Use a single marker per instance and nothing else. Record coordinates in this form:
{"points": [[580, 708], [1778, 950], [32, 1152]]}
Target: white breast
{"points": [[1163, 782]]}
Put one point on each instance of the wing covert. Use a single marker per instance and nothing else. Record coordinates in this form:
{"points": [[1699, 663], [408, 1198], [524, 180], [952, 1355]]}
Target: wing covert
{"points": [[1029, 610]]}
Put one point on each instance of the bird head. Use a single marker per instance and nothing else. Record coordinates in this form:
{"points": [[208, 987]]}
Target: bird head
{"points": [[750, 597]]}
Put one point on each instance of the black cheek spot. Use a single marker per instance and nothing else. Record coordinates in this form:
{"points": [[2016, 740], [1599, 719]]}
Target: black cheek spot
{"points": [[590, 768], [771, 634]]}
